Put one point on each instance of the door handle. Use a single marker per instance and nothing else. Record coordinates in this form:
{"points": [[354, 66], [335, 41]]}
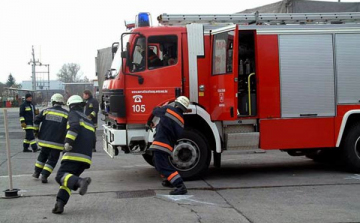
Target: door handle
{"points": [[232, 112]]}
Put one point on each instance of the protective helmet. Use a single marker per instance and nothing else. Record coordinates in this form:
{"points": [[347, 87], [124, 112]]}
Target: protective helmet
{"points": [[75, 99], [57, 98], [183, 102]]}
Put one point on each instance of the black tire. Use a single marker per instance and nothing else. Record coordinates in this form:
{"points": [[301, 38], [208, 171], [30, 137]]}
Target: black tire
{"points": [[190, 141], [148, 158], [351, 149]]}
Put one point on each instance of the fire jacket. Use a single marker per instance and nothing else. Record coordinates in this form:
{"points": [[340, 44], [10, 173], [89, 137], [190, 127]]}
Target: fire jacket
{"points": [[92, 109], [169, 129], [53, 127], [27, 114], [81, 136]]}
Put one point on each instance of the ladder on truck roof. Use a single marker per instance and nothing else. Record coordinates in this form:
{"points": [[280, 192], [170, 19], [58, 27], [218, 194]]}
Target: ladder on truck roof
{"points": [[261, 18]]}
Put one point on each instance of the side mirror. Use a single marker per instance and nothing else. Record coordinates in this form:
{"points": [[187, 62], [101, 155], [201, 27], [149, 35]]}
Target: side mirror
{"points": [[123, 54], [111, 71], [114, 48]]}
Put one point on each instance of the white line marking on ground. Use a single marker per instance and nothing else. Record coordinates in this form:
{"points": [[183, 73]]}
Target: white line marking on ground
{"points": [[23, 175], [135, 166], [354, 177], [183, 198]]}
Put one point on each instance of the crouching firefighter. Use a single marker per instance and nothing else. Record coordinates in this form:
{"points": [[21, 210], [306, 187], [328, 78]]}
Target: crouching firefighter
{"points": [[79, 141], [27, 116], [168, 131], [51, 136]]}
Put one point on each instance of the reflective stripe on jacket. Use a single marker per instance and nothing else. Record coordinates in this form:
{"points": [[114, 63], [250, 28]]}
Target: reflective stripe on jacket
{"points": [[92, 108], [27, 114], [80, 135], [53, 127]]}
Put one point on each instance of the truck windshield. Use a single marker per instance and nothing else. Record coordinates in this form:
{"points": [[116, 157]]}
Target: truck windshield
{"points": [[116, 64]]}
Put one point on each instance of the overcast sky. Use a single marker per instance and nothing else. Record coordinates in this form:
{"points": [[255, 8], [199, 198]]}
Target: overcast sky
{"points": [[71, 31]]}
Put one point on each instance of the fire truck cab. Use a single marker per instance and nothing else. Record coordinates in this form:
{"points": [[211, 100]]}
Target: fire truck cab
{"points": [[255, 81]]}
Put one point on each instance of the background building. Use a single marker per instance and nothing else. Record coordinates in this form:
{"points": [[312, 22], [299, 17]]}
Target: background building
{"points": [[54, 85]]}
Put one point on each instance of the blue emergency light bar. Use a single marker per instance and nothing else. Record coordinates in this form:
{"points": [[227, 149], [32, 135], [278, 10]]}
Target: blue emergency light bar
{"points": [[143, 19]]}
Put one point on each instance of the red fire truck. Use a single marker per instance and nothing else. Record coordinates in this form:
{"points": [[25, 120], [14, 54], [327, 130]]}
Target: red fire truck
{"points": [[270, 81]]}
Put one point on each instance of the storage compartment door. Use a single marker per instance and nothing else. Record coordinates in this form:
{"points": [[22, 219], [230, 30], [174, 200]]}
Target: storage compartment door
{"points": [[307, 75]]}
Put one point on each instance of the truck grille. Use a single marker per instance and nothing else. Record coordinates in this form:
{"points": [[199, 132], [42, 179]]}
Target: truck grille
{"points": [[113, 103]]}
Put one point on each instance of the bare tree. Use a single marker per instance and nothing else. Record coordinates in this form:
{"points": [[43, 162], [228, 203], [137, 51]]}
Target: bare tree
{"points": [[69, 73], [86, 79]]}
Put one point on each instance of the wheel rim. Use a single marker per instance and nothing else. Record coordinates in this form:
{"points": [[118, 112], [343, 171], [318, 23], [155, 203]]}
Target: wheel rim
{"points": [[186, 155], [357, 148]]}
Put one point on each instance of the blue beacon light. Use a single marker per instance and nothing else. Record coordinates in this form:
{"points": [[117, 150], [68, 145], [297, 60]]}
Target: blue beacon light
{"points": [[143, 19]]}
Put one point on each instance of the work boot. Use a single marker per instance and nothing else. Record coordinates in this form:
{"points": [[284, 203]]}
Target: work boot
{"points": [[59, 207], [43, 179], [35, 150], [36, 175], [27, 151], [166, 183], [179, 190], [83, 184]]}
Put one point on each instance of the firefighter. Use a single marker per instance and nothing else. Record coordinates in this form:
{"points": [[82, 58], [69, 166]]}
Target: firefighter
{"points": [[50, 137], [91, 110], [153, 59], [27, 116], [79, 141], [168, 132]]}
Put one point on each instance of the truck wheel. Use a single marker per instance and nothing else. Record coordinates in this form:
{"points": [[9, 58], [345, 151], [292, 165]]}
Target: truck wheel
{"points": [[191, 155], [351, 149], [148, 158]]}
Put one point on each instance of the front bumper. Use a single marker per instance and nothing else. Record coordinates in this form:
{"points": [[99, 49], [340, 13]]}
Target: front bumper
{"points": [[114, 138]]}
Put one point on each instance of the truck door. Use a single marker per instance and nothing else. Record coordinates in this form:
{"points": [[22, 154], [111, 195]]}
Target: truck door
{"points": [[224, 73], [157, 59]]}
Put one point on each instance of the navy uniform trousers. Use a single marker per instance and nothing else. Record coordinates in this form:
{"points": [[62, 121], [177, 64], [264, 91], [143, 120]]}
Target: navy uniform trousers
{"points": [[67, 177], [47, 160], [29, 139], [164, 167]]}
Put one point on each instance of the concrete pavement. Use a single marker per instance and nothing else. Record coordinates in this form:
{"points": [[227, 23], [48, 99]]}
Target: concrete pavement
{"points": [[264, 187]]}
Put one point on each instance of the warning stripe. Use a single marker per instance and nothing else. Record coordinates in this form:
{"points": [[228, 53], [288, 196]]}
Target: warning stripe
{"points": [[163, 145], [176, 115]]}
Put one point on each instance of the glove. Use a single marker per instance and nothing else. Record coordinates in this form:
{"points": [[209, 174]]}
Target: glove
{"points": [[23, 125], [36, 111], [89, 117], [149, 126], [67, 147]]}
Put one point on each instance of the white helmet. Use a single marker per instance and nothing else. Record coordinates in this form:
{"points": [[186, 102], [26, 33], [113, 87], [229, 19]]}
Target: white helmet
{"points": [[57, 98], [75, 99], [183, 102]]}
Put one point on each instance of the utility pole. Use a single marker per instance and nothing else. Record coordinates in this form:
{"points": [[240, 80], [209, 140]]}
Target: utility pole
{"points": [[33, 64], [48, 66], [33, 70], [48, 85]]}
